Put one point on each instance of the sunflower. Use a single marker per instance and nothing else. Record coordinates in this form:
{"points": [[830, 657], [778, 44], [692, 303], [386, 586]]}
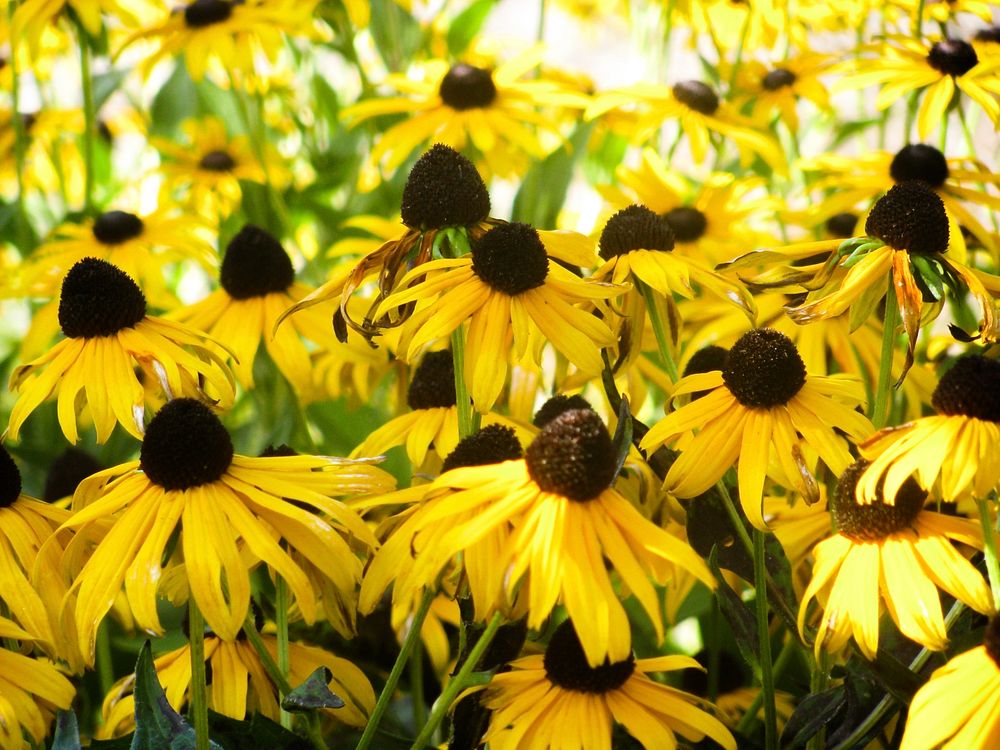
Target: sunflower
{"points": [[547, 522], [207, 167], [108, 335], [762, 399], [560, 700], [515, 300], [935, 68], [956, 709], [30, 692], [700, 113], [139, 246], [778, 87], [957, 445], [239, 685], [899, 554], [227, 33], [257, 285], [188, 478], [461, 105], [908, 238]]}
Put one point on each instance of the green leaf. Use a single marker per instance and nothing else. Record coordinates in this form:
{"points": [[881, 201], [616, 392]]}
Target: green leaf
{"points": [[157, 725], [623, 434], [811, 715], [543, 190], [396, 33], [738, 614], [313, 693], [259, 732], [467, 24], [67, 734], [174, 102], [105, 84]]}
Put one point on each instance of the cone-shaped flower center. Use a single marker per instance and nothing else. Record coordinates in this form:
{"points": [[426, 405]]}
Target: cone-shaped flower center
{"points": [[556, 406], [635, 228], [688, 223], [697, 96], [842, 225], [875, 521], [952, 57], [444, 190], [706, 359], [433, 384], [778, 78], [764, 369], [493, 444], [255, 265], [991, 639], [566, 665], [185, 446], [217, 161], [467, 87], [918, 161], [203, 13], [510, 258], [731, 675], [910, 217], [989, 34], [115, 227], [98, 299], [971, 388], [10, 479], [66, 472], [573, 456]]}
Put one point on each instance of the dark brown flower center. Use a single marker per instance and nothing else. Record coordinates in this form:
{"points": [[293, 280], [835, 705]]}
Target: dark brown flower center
{"points": [[952, 57], [185, 446], [688, 223], [877, 520], [697, 96], [444, 190], [989, 34], [510, 258], [635, 228], [98, 299], [467, 87], [433, 383], [255, 265], [764, 369], [566, 665], [842, 225], [217, 161], [573, 456], [201, 13], [10, 479], [991, 639], [115, 227], [778, 78], [66, 472], [556, 406], [493, 444], [910, 217], [918, 161], [971, 388]]}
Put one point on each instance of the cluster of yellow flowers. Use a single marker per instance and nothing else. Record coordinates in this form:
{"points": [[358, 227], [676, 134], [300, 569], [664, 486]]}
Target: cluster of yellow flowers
{"points": [[720, 348]]}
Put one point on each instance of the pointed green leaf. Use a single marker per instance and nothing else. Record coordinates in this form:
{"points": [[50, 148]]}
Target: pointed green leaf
{"points": [[67, 734], [313, 693]]}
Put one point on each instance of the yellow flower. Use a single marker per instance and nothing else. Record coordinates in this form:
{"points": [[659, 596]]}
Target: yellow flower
{"points": [[188, 478], [461, 105], [779, 86], [561, 700], [103, 315], [956, 709], [32, 17], [54, 163], [757, 406], [900, 554]]}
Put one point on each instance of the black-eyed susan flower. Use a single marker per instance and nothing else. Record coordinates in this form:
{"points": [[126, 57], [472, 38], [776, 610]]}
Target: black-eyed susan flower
{"points": [[496, 111], [30, 692], [699, 111], [780, 86], [560, 699], [53, 163], [32, 17], [899, 554], [188, 479], [957, 446], [239, 686], [761, 405], [257, 284], [938, 69], [515, 300], [956, 709], [109, 335]]}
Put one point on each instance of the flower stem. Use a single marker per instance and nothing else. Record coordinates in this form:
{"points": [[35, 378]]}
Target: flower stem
{"points": [[417, 684], [817, 684], [456, 684], [397, 670], [764, 639], [990, 549], [883, 391], [199, 690], [468, 418], [790, 647], [662, 336], [89, 123], [281, 620], [105, 668]]}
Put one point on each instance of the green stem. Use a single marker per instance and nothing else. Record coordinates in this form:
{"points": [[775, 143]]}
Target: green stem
{"points": [[456, 684], [417, 684], [734, 517], [540, 31], [817, 684], [89, 123], [468, 418], [990, 549], [918, 21], [397, 670], [105, 667], [790, 647], [738, 60], [883, 391], [281, 620], [764, 640], [199, 690], [659, 329]]}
